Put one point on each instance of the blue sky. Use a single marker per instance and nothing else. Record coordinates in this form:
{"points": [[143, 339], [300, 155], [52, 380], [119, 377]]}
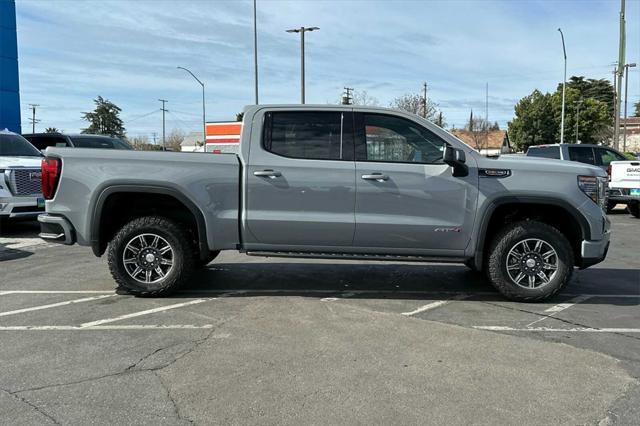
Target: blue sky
{"points": [[127, 51]]}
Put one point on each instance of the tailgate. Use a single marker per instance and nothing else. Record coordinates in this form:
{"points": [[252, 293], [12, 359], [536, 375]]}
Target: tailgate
{"points": [[625, 174]]}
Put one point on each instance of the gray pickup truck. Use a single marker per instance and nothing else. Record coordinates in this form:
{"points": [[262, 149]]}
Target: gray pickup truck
{"points": [[331, 182]]}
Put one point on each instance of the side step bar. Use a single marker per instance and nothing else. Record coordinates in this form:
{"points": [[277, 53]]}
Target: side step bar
{"points": [[358, 256]]}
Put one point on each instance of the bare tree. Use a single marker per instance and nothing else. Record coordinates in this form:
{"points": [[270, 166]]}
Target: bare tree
{"points": [[414, 103], [142, 143], [175, 139], [478, 128], [362, 97]]}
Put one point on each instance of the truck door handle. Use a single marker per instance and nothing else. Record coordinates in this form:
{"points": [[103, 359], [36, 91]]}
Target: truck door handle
{"points": [[267, 173], [375, 176]]}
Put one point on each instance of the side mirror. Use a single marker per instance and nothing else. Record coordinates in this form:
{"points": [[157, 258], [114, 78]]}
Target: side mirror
{"points": [[456, 159]]}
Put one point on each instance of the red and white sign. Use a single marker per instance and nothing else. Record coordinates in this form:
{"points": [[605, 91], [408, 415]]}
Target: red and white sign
{"points": [[227, 132]]}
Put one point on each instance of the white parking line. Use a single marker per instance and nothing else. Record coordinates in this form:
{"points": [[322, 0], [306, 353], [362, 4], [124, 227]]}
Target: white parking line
{"points": [[434, 305], [570, 330], [2, 293], [560, 307], [333, 299], [113, 327], [53, 305], [146, 312]]}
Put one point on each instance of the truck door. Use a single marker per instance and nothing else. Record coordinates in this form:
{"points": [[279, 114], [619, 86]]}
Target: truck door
{"points": [[301, 181], [406, 196]]}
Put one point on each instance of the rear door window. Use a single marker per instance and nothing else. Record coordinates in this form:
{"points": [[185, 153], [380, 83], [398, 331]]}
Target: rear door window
{"points": [[605, 156], [546, 152], [582, 154], [305, 135]]}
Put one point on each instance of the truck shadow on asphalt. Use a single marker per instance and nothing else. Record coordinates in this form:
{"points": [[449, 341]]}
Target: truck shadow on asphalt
{"points": [[384, 281]]}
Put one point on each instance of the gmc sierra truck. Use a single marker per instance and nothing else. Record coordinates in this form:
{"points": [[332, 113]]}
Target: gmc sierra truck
{"points": [[331, 182]]}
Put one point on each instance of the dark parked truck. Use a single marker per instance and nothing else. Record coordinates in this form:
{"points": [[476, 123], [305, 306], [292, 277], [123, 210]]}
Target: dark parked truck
{"points": [[331, 182]]}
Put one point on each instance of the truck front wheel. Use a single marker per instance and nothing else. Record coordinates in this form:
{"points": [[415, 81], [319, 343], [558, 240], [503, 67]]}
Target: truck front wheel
{"points": [[530, 261], [634, 209], [151, 256]]}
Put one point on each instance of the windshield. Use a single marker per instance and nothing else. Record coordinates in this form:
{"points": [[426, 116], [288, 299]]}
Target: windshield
{"points": [[12, 145]]}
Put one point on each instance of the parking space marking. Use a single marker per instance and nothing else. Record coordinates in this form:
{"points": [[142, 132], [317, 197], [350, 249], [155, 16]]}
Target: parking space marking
{"points": [[145, 312], [434, 305], [113, 327], [561, 330], [342, 296], [560, 307], [54, 305]]}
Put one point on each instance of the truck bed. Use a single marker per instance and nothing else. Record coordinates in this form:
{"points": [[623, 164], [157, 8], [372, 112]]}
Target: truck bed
{"points": [[209, 181]]}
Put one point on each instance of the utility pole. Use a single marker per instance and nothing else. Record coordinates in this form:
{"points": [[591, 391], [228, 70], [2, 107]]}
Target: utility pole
{"points": [[347, 97], [154, 135], [424, 100], [163, 109], [620, 71], [302, 30], [626, 87], [577, 117], [33, 117], [486, 104], [255, 49], [564, 83]]}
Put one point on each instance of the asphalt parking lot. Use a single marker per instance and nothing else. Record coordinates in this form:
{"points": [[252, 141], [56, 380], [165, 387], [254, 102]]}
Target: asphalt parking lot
{"points": [[278, 341]]}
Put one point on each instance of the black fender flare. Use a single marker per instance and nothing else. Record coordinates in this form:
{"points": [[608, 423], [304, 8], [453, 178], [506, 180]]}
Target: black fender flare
{"points": [[96, 213], [524, 199]]}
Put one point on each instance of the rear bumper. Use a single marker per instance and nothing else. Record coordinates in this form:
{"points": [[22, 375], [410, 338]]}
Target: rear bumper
{"points": [[15, 207], [56, 229], [622, 195]]}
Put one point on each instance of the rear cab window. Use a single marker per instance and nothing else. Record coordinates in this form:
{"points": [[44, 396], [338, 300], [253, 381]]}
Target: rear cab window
{"points": [[43, 142], [582, 154], [544, 152], [317, 135], [98, 142], [605, 156]]}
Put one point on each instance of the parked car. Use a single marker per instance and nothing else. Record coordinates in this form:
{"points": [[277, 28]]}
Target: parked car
{"points": [[625, 185], [44, 140], [330, 182], [595, 155], [20, 183]]}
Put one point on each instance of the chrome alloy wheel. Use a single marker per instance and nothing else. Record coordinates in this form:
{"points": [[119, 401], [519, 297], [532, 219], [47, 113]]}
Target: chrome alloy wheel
{"points": [[148, 258], [532, 263]]}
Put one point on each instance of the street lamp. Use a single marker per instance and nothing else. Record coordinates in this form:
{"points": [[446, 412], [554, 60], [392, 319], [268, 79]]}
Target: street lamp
{"points": [[564, 82], [302, 30], [204, 122], [626, 86]]}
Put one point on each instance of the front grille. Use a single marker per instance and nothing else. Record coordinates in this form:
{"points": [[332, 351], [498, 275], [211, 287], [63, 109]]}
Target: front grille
{"points": [[25, 181]]}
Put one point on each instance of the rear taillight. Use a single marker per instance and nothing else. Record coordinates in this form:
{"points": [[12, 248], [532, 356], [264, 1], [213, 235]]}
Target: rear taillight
{"points": [[50, 176], [609, 172]]}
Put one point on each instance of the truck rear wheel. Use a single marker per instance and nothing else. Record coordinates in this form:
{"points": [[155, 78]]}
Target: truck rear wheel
{"points": [[151, 256], [634, 209], [529, 261]]}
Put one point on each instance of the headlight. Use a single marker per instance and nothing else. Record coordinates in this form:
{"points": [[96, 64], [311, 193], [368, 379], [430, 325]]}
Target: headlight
{"points": [[594, 188]]}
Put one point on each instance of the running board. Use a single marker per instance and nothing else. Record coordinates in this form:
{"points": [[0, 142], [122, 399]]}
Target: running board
{"points": [[358, 256]]}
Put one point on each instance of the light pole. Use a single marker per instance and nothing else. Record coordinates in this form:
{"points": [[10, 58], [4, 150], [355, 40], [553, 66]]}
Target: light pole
{"points": [[564, 83], [204, 122], [626, 86], [577, 117], [302, 30], [255, 47]]}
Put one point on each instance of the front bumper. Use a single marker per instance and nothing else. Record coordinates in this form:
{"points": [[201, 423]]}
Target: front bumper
{"points": [[15, 207], [56, 229], [593, 252]]}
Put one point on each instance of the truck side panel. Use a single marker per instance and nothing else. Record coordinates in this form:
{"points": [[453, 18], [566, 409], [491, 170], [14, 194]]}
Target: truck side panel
{"points": [[210, 181]]}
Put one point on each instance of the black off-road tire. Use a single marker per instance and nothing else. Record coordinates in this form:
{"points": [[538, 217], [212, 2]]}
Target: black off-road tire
{"points": [[507, 238], [182, 247], [634, 209], [199, 263]]}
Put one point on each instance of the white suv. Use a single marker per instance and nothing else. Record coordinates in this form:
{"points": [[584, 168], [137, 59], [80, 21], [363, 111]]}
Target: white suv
{"points": [[20, 177]]}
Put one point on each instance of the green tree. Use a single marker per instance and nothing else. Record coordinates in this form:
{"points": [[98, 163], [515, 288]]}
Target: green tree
{"points": [[104, 119], [637, 108], [51, 130], [594, 120], [598, 89], [239, 116], [534, 121]]}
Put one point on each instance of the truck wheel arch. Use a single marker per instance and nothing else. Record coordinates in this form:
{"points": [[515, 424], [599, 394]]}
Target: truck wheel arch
{"points": [[98, 245], [515, 201]]}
